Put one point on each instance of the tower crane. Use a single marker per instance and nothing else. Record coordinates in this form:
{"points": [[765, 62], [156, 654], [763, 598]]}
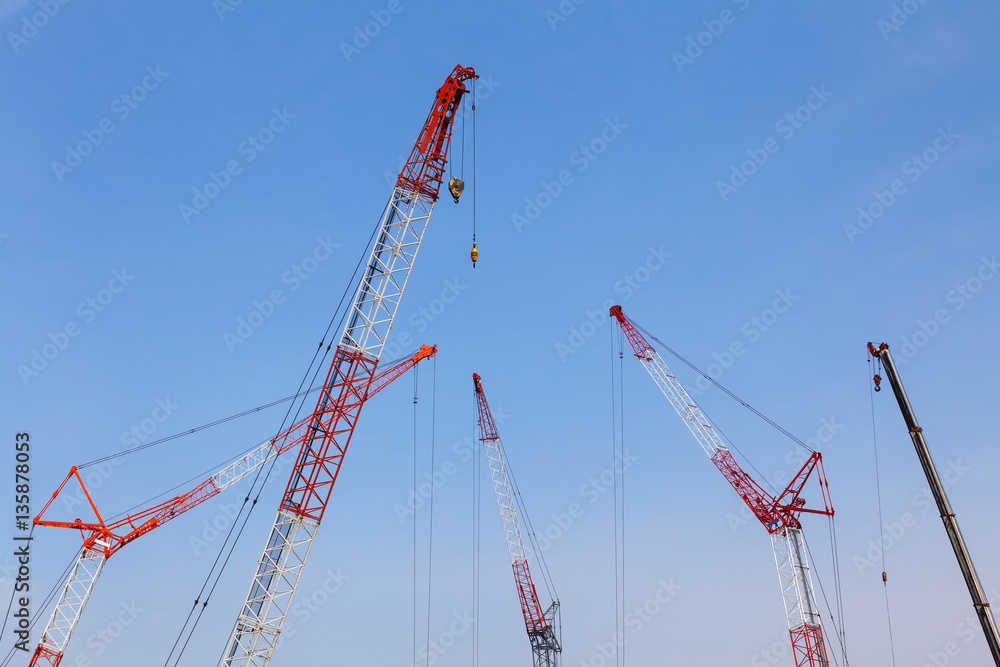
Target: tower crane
{"points": [[979, 600], [101, 539], [779, 515], [542, 625], [329, 430]]}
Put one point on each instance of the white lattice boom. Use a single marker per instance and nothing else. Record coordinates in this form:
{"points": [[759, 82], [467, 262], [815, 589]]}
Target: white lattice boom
{"points": [[397, 240], [778, 516]]}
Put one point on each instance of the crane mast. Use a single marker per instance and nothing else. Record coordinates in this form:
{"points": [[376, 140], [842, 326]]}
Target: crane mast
{"points": [[779, 516], [400, 232], [103, 540], [540, 624], [979, 599]]}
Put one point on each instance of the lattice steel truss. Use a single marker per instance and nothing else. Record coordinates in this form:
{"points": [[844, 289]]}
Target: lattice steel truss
{"points": [[398, 238], [107, 539], [779, 515], [542, 626], [72, 601]]}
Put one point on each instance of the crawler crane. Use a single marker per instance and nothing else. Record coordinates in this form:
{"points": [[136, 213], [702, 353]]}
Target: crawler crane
{"points": [[779, 515], [329, 430], [542, 625], [101, 539]]}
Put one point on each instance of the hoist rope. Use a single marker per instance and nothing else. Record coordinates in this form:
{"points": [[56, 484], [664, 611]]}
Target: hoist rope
{"points": [[835, 558], [14, 590], [614, 451], [415, 386], [835, 613], [315, 369], [618, 488], [621, 440], [39, 612], [476, 515], [463, 138], [736, 398], [826, 601], [126, 452], [430, 528], [532, 537], [881, 532]]}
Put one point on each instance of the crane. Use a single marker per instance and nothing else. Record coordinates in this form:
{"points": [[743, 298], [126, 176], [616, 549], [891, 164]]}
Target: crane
{"points": [[542, 625], [101, 539], [979, 600], [779, 515], [331, 425]]}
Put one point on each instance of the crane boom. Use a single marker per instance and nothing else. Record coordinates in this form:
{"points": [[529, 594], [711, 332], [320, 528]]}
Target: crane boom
{"points": [[778, 515], [979, 600], [102, 540], [540, 624], [397, 240]]}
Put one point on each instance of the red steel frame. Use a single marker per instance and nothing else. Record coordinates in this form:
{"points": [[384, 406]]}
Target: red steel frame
{"points": [[102, 540], [779, 515]]}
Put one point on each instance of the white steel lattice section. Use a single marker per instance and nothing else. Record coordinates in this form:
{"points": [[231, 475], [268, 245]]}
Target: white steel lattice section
{"points": [[799, 597], [397, 241], [505, 500], [74, 598], [685, 406], [401, 231], [252, 461], [259, 624]]}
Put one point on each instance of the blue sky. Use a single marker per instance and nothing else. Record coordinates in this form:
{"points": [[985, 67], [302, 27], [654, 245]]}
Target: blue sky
{"points": [[835, 163]]}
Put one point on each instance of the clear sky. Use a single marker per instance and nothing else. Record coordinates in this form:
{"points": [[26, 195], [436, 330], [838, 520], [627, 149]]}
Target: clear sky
{"points": [[789, 182]]}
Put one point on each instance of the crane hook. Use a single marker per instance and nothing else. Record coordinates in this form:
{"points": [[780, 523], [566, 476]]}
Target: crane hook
{"points": [[878, 380], [456, 187], [475, 254]]}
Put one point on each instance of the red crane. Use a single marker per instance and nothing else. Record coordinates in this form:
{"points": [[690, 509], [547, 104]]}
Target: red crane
{"points": [[101, 540], [779, 515], [329, 429], [542, 624]]}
